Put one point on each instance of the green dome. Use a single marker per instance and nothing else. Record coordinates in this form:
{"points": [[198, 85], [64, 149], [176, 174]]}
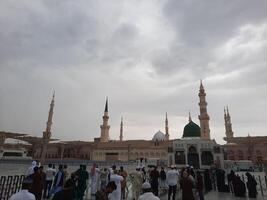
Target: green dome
{"points": [[191, 130]]}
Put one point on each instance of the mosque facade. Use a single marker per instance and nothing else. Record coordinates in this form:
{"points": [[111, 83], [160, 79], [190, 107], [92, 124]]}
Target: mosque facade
{"points": [[195, 148]]}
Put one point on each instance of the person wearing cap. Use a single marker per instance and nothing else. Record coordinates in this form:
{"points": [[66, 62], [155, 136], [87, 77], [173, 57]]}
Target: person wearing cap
{"points": [[24, 193], [147, 193], [172, 179]]}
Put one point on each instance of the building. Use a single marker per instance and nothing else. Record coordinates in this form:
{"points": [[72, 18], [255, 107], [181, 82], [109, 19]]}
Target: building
{"points": [[244, 148], [196, 148]]}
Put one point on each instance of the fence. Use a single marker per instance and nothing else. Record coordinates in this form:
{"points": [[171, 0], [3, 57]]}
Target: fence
{"points": [[10, 185]]}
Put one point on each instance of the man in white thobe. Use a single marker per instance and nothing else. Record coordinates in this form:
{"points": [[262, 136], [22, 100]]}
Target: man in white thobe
{"points": [[116, 194], [24, 193], [147, 194], [30, 170], [172, 179], [94, 175]]}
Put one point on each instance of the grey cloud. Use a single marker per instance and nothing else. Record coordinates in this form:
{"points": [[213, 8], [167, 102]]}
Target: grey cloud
{"points": [[87, 50]]}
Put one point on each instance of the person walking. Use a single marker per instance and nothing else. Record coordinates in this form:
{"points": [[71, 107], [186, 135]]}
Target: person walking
{"points": [[36, 188], [50, 173], [172, 179], [67, 192], [187, 186], [82, 176], [162, 180], [104, 192], [199, 185], [58, 181], [116, 194], [147, 194], [154, 181], [43, 177], [94, 176], [30, 170], [124, 174], [251, 185]]}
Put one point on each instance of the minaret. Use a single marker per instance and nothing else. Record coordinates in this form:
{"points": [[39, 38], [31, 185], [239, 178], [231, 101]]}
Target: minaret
{"points": [[121, 130], [203, 117], [105, 127], [228, 124], [167, 128], [47, 132]]}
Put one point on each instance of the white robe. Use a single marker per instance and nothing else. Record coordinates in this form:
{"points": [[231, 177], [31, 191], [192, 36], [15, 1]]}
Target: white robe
{"points": [[95, 181], [116, 194], [30, 169], [22, 195], [148, 196]]}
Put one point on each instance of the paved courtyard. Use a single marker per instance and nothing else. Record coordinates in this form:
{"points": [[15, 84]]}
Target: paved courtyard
{"points": [[220, 196]]}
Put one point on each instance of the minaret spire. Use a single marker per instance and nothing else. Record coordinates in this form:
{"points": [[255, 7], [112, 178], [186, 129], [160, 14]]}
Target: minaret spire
{"points": [[106, 106], [121, 129], [104, 137], [228, 124], [203, 116], [190, 119], [47, 132], [167, 127]]}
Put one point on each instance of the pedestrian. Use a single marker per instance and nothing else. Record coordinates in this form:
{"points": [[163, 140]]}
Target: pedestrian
{"points": [[67, 192], [50, 173], [105, 192], [162, 180], [172, 179], [95, 179], [82, 176], [147, 193], [207, 181], [43, 177], [186, 186], [239, 187], [58, 181], [124, 174], [36, 188], [116, 194], [136, 178], [199, 186], [66, 174], [103, 178], [30, 170], [154, 181], [24, 193], [251, 185]]}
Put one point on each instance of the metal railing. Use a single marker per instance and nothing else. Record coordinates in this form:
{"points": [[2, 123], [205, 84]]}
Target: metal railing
{"points": [[10, 185]]}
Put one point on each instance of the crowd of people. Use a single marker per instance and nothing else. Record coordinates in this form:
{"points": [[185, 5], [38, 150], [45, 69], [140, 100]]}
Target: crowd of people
{"points": [[111, 183], [238, 187]]}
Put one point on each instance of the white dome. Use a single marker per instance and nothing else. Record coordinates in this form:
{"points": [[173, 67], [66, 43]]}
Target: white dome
{"points": [[159, 136]]}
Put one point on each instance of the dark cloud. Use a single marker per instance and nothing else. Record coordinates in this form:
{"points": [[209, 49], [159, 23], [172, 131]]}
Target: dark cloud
{"points": [[146, 56]]}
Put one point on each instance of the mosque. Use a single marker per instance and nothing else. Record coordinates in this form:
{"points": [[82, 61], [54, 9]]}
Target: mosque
{"points": [[195, 148]]}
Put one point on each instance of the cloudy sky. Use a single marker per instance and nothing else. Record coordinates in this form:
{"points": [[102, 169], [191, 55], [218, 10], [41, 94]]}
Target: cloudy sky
{"points": [[146, 56]]}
